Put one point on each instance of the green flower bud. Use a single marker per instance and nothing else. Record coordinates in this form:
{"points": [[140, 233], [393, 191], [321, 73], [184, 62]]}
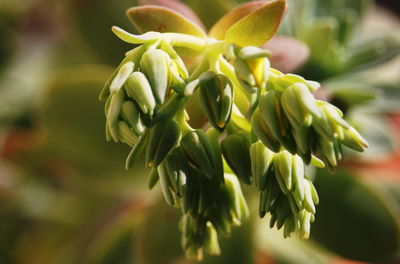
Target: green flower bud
{"points": [[235, 149], [126, 134], [283, 168], [260, 68], [216, 95], [305, 98], [211, 244], [162, 138], [177, 168], [138, 88], [244, 73], [130, 114], [289, 227], [190, 191], [261, 164], [121, 77], [298, 179], [304, 137], [237, 200], [354, 140], [154, 64], [334, 115], [294, 110], [199, 151], [165, 184], [308, 197], [136, 151], [263, 132], [273, 116], [113, 113]]}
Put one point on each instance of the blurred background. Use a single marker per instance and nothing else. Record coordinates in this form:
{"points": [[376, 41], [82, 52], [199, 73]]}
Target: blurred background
{"points": [[66, 198]]}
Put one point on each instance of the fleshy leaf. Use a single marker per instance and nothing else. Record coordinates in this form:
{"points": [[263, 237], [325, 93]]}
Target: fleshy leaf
{"points": [[178, 7], [258, 27], [287, 54], [219, 29], [134, 39], [162, 19]]}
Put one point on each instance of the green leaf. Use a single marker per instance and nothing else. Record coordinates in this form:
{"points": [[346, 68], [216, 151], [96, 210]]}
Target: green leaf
{"points": [[161, 19], [258, 27], [372, 52], [219, 29], [356, 218]]}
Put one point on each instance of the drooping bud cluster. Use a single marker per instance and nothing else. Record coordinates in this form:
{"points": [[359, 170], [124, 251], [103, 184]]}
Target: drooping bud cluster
{"points": [[285, 192], [264, 126], [290, 117]]}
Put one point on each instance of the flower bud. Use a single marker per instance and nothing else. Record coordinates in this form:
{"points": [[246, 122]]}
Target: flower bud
{"points": [[154, 64], [130, 114], [216, 95], [199, 151], [162, 138], [263, 132], [138, 88], [261, 164], [235, 149], [354, 140], [121, 77]]}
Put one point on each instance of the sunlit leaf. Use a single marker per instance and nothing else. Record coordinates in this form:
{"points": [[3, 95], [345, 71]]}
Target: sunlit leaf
{"points": [[162, 19], [258, 27], [219, 29]]}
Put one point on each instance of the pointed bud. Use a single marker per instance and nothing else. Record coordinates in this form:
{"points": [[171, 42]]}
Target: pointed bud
{"points": [[199, 151], [354, 140], [235, 149], [121, 77], [263, 132], [261, 164], [126, 134], [162, 138], [138, 88], [154, 64], [113, 113], [130, 114], [216, 96]]}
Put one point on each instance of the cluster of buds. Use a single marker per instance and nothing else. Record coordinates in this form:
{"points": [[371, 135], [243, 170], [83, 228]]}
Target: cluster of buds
{"points": [[263, 128]]}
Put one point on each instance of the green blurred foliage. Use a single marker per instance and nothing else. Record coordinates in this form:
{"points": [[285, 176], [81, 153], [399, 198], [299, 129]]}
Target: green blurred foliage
{"points": [[66, 197]]}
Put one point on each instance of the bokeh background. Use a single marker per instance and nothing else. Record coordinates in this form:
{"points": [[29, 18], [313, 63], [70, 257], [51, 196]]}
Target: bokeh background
{"points": [[66, 198]]}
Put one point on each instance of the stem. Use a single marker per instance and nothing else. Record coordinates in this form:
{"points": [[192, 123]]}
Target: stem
{"points": [[186, 41], [181, 118]]}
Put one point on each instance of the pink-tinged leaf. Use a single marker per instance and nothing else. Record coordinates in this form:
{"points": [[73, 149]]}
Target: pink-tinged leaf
{"points": [[162, 19], [257, 27], [178, 7], [287, 54], [219, 29]]}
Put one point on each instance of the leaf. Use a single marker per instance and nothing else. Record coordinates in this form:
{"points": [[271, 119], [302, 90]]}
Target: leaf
{"points": [[134, 39], [372, 52], [356, 218], [219, 29], [162, 19], [178, 7], [258, 27], [287, 54]]}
